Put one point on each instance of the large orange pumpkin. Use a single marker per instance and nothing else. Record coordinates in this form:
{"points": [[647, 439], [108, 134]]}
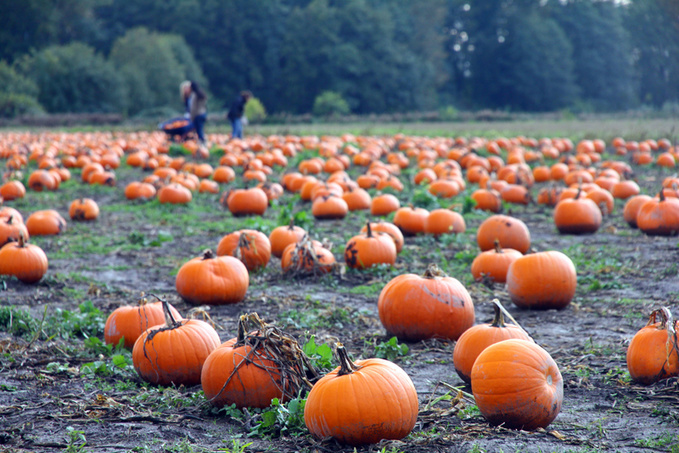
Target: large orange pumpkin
{"points": [[517, 384], [213, 280], [475, 339], [659, 217], [653, 353], [257, 366], [542, 281], [414, 307], [362, 403], [174, 352], [25, 261]]}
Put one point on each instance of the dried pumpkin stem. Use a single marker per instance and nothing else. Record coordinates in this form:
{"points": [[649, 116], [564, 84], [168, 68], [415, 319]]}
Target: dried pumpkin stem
{"points": [[434, 271], [661, 196], [500, 314], [498, 247], [169, 317], [346, 365], [208, 254]]}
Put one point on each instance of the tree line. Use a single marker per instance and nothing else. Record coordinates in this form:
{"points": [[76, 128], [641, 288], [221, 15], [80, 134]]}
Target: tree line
{"points": [[370, 56]]}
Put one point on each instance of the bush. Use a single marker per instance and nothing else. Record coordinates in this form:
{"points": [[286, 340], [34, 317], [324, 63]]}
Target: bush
{"points": [[152, 66], [15, 104], [255, 111], [330, 103], [74, 79]]}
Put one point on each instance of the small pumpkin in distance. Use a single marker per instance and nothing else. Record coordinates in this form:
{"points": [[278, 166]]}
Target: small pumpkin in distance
{"points": [[389, 228], [362, 403], [83, 209]]}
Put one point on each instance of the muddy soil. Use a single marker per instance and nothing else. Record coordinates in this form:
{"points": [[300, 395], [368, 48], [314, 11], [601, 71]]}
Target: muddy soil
{"points": [[48, 404]]}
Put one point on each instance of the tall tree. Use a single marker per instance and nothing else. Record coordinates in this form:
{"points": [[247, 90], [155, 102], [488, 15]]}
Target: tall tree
{"points": [[601, 52], [654, 27]]}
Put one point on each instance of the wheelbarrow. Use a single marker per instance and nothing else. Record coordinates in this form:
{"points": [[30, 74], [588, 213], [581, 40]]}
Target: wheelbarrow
{"points": [[177, 129]]}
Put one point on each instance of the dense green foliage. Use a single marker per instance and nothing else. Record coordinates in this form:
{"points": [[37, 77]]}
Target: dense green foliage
{"points": [[379, 55]]}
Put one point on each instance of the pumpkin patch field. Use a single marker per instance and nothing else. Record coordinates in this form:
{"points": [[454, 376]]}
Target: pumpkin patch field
{"points": [[317, 293]]}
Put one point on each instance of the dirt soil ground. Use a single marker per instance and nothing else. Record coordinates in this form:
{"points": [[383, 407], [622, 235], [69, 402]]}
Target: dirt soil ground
{"points": [[47, 403]]}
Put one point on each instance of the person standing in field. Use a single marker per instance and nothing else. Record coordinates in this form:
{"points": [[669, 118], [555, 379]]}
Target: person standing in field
{"points": [[195, 103], [236, 113]]}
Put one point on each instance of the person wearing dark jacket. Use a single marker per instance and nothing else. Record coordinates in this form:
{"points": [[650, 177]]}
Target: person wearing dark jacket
{"points": [[236, 113]]}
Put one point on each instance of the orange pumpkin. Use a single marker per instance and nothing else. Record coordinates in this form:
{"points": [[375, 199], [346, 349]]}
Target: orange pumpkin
{"points": [[12, 190], [444, 221], [128, 322], [252, 247], [632, 207], [389, 228], [212, 280], [492, 265], [434, 305], [174, 353], [517, 384], [542, 280], [329, 207], [369, 249], [11, 228], [83, 209], [25, 261], [384, 205], [307, 257], [282, 236], [577, 216], [243, 202], [362, 403], [411, 220], [45, 222], [244, 370], [475, 339], [511, 232], [653, 353], [659, 217]]}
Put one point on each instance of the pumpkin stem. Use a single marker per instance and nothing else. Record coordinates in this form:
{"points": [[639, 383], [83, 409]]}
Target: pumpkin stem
{"points": [[346, 365], [500, 314], [577, 194], [434, 271], [499, 318], [369, 231], [169, 317], [208, 254], [22, 239], [291, 225], [498, 248], [661, 196]]}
